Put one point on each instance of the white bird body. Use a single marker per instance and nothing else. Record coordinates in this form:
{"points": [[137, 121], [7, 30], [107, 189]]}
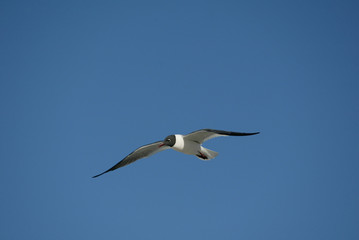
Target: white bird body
{"points": [[192, 148], [186, 147]]}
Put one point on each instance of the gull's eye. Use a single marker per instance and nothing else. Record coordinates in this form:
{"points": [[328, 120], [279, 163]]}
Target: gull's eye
{"points": [[169, 140]]}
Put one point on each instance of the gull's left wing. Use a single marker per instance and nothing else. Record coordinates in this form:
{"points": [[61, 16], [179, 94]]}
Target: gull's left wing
{"points": [[141, 152]]}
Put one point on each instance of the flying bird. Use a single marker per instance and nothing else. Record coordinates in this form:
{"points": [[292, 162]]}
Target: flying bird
{"points": [[188, 144]]}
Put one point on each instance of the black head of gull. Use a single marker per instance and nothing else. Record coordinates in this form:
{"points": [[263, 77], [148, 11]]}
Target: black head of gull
{"points": [[169, 141]]}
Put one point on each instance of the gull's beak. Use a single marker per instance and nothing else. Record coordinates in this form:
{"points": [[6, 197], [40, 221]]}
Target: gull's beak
{"points": [[161, 145]]}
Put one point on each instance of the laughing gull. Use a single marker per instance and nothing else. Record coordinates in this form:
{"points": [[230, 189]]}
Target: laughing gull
{"points": [[189, 144]]}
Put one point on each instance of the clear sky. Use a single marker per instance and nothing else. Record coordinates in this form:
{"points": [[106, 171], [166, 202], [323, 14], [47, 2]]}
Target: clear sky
{"points": [[84, 83]]}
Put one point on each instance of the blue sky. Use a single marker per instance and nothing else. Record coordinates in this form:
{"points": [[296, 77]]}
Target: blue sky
{"points": [[84, 83]]}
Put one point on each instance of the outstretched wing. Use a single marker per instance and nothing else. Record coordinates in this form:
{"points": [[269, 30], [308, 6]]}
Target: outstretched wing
{"points": [[141, 152], [203, 135]]}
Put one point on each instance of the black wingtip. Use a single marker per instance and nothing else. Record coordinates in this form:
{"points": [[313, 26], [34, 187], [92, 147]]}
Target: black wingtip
{"points": [[228, 133], [241, 133], [100, 174], [245, 134], [97, 175]]}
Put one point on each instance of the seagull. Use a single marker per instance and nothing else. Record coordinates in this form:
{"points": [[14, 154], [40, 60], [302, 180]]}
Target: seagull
{"points": [[188, 144]]}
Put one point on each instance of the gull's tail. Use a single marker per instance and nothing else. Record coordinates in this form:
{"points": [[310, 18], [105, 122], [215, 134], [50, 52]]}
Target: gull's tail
{"points": [[207, 154]]}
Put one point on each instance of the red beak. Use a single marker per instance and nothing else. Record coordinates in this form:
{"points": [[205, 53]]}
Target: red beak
{"points": [[161, 145]]}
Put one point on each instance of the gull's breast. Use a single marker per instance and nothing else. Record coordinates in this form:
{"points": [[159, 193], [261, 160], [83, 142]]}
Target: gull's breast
{"points": [[186, 146]]}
